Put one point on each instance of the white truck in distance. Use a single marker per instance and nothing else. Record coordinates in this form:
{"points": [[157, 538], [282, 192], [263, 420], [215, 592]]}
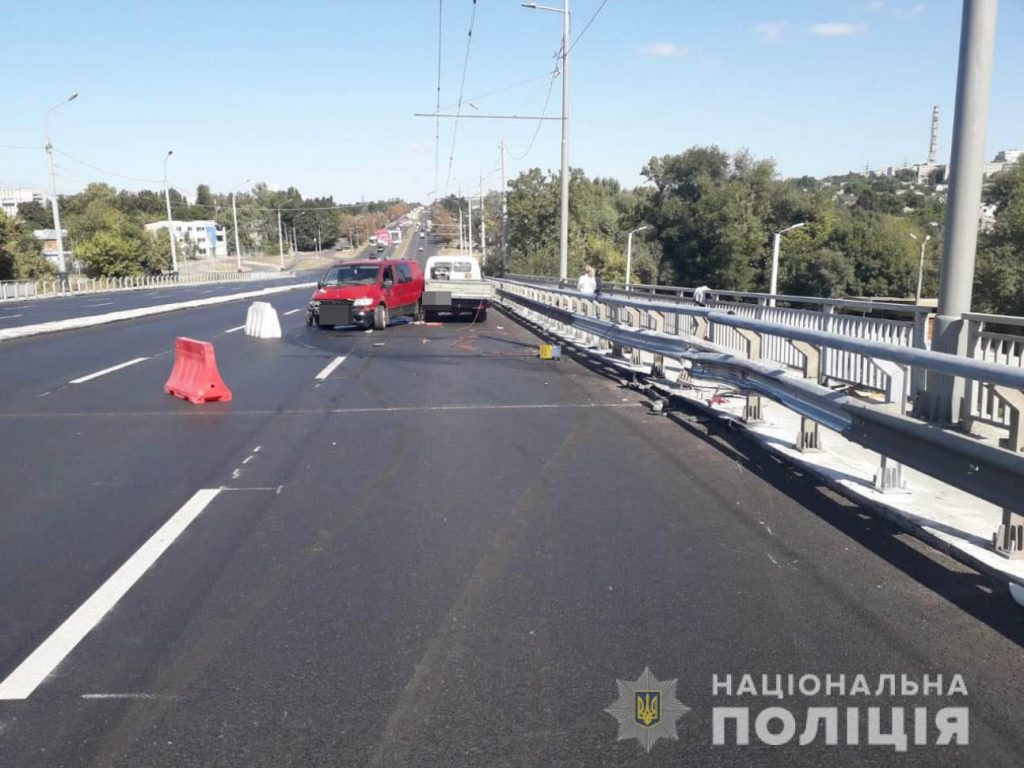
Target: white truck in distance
{"points": [[453, 284]]}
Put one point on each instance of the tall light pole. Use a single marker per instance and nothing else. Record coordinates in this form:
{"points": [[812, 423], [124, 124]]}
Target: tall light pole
{"points": [[280, 238], [170, 220], [48, 145], [563, 264], [966, 166], [234, 216], [629, 250], [773, 287], [920, 265]]}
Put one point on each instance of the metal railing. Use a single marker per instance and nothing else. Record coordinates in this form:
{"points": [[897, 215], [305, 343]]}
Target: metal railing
{"points": [[29, 289], [644, 333]]}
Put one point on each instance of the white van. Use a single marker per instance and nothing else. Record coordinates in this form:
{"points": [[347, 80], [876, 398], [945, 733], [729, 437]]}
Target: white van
{"points": [[455, 285]]}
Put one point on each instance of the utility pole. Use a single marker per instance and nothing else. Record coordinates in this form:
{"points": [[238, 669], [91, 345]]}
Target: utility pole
{"points": [[970, 123], [563, 265], [469, 229], [61, 265], [504, 215], [234, 216], [170, 220], [483, 226], [460, 232], [280, 238]]}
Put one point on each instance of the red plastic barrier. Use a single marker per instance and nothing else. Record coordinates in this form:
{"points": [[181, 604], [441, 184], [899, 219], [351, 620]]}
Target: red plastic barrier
{"points": [[195, 376]]}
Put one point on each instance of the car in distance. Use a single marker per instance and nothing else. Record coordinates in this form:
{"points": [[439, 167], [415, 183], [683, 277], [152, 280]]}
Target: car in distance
{"points": [[367, 292]]}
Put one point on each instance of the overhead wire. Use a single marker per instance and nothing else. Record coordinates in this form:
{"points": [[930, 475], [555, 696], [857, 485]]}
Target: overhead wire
{"points": [[104, 170], [587, 25], [437, 110], [462, 88]]}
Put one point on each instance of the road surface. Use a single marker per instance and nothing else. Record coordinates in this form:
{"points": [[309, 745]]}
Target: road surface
{"points": [[441, 552]]}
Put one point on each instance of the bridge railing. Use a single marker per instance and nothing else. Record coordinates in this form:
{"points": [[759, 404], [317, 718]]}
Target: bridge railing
{"points": [[645, 333], [28, 289]]}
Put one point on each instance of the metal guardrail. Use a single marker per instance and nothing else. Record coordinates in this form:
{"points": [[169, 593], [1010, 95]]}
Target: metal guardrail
{"points": [[29, 289], [653, 331]]}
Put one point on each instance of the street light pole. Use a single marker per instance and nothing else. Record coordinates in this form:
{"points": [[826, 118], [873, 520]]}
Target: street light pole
{"points": [[563, 248], [773, 287], [234, 215], [170, 220], [629, 251], [48, 145], [280, 238], [920, 265]]}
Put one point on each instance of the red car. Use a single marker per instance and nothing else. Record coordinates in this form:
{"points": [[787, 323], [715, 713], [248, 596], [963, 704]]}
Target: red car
{"points": [[366, 293]]}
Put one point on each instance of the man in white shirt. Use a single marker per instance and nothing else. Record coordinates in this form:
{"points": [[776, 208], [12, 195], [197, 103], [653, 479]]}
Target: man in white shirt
{"points": [[587, 284]]}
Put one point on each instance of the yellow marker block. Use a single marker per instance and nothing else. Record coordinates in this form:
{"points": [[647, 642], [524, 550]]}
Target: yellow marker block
{"points": [[550, 352]]}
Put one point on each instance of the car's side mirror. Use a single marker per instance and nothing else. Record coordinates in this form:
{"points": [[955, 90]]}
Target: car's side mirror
{"points": [[389, 283], [319, 284]]}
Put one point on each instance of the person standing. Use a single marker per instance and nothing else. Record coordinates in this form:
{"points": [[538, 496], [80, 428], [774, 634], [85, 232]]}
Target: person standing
{"points": [[586, 283]]}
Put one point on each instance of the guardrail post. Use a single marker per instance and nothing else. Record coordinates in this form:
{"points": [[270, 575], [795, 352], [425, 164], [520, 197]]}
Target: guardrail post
{"points": [[889, 477], [973, 329], [1008, 540], [809, 438], [753, 411], [1013, 399]]}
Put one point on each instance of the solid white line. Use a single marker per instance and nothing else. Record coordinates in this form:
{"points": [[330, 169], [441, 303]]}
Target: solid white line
{"points": [[329, 368], [101, 304], [236, 328], [289, 312], [11, 317], [44, 660], [126, 696], [105, 371]]}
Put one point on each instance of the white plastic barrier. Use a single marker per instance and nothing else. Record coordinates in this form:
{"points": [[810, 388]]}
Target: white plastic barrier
{"points": [[261, 321]]}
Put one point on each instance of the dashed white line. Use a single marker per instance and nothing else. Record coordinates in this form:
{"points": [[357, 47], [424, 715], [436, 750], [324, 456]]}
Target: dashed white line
{"points": [[126, 696], [105, 371], [329, 368], [101, 304], [235, 329], [11, 317], [289, 312], [44, 660]]}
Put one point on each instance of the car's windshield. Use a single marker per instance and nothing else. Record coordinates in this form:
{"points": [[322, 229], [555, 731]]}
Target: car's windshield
{"points": [[361, 274]]}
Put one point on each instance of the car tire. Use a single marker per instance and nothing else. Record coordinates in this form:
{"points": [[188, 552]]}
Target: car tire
{"points": [[380, 318], [481, 316], [420, 314]]}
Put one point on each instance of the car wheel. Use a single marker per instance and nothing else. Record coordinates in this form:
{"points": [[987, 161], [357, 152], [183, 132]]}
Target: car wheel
{"points": [[380, 318], [420, 314], [481, 316], [309, 319]]}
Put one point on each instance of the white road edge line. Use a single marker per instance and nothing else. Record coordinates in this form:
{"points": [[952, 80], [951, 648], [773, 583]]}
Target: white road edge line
{"points": [[329, 368], [126, 696], [289, 312], [105, 371], [236, 328], [45, 659]]}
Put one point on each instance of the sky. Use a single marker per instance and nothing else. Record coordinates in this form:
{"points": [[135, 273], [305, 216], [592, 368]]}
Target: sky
{"points": [[321, 94]]}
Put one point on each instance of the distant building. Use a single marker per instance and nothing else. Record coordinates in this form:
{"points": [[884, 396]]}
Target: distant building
{"points": [[1002, 161], [12, 197], [196, 239]]}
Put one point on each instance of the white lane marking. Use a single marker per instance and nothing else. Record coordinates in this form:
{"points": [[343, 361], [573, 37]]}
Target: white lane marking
{"points": [[202, 293], [289, 312], [257, 449], [329, 368], [44, 660], [236, 328], [105, 371], [101, 304], [44, 394], [235, 474], [11, 317], [127, 696], [248, 458]]}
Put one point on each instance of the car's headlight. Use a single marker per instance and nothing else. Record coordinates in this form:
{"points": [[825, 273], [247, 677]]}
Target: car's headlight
{"points": [[363, 302]]}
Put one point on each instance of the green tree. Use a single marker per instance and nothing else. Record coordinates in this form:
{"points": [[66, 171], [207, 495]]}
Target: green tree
{"points": [[20, 257], [36, 215]]}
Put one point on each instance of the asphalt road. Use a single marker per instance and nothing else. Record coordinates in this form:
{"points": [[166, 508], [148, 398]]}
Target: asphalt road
{"points": [[441, 552]]}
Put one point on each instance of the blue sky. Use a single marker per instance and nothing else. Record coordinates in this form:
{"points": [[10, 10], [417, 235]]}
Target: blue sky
{"points": [[321, 94]]}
